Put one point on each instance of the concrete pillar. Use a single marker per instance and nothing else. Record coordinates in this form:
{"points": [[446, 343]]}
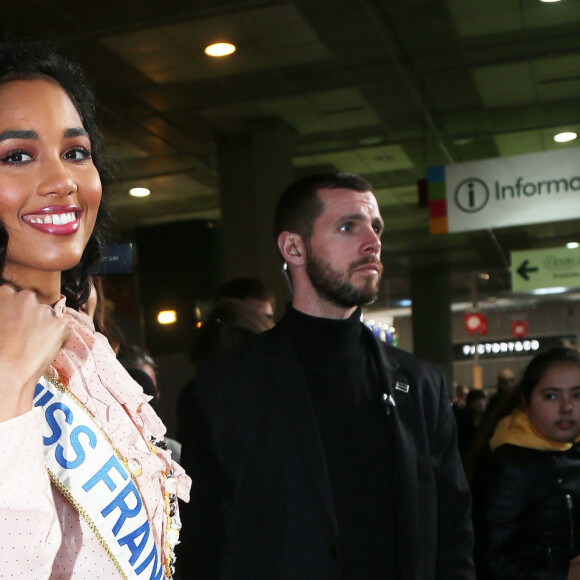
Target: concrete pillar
{"points": [[254, 169], [432, 325]]}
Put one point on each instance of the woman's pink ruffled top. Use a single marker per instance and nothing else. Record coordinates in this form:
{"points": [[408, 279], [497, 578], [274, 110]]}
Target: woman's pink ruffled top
{"points": [[41, 535]]}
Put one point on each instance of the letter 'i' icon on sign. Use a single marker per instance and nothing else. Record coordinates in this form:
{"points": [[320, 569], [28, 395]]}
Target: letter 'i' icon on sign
{"points": [[471, 195]]}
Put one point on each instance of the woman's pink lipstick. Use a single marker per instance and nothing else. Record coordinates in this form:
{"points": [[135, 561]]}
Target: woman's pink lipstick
{"points": [[55, 220]]}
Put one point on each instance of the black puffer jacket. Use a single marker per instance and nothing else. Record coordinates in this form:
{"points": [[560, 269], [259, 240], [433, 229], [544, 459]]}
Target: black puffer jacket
{"points": [[527, 514]]}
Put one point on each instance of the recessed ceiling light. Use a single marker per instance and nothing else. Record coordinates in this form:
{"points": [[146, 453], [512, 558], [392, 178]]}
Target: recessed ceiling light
{"points": [[550, 1], [139, 192], [572, 245], [220, 49], [167, 317], [565, 136]]}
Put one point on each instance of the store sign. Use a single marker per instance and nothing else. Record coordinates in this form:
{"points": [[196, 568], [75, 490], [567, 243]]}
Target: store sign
{"points": [[547, 268], [519, 328], [508, 191], [510, 347], [475, 322]]}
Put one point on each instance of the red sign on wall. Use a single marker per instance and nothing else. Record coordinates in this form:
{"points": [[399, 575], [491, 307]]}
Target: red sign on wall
{"points": [[520, 328], [475, 322]]}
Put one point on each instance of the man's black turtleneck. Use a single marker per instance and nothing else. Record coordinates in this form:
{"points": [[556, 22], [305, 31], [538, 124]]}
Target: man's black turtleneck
{"points": [[342, 380]]}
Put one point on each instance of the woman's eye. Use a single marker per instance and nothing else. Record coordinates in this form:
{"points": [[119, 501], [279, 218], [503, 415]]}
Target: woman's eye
{"points": [[17, 158], [77, 154]]}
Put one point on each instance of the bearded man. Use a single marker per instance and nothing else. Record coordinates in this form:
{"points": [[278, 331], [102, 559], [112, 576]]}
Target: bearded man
{"points": [[316, 451]]}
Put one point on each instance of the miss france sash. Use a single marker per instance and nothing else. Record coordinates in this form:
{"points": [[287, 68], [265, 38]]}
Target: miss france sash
{"points": [[95, 479]]}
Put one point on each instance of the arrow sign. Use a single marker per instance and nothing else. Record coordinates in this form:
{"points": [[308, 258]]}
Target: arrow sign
{"points": [[524, 270], [547, 268]]}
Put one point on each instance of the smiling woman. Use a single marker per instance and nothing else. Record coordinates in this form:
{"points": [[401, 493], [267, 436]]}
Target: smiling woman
{"points": [[85, 482], [49, 187], [31, 63]]}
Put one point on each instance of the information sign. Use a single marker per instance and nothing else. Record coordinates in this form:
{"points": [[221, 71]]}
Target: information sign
{"points": [[546, 268]]}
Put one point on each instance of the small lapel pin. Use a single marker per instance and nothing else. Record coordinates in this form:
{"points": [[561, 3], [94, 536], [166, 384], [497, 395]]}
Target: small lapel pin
{"points": [[402, 387], [388, 399]]}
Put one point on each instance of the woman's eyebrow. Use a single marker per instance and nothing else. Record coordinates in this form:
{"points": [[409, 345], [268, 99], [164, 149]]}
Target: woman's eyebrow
{"points": [[18, 134], [28, 134], [76, 132]]}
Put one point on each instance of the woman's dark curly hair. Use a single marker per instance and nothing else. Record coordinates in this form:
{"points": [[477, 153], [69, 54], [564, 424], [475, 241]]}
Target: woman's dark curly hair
{"points": [[31, 60]]}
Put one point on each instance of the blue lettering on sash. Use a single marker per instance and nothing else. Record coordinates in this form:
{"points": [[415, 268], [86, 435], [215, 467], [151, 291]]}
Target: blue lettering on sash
{"points": [[45, 398], [53, 423], [126, 511], [156, 573], [136, 540], [129, 541], [76, 445], [103, 474]]}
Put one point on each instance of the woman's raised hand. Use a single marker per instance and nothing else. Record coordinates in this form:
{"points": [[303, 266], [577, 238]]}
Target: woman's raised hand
{"points": [[30, 337]]}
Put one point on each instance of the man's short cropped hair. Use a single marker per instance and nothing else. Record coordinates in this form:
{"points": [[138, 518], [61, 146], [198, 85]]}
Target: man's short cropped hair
{"points": [[300, 205]]}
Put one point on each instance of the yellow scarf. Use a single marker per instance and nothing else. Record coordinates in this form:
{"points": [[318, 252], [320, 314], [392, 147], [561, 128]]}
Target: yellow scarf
{"points": [[518, 430]]}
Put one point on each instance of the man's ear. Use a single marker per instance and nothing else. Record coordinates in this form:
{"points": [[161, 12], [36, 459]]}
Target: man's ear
{"points": [[292, 248]]}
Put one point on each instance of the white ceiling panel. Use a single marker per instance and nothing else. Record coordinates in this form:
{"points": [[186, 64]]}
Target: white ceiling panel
{"points": [[484, 17], [313, 113], [393, 196], [363, 160], [505, 85], [520, 143], [557, 78]]}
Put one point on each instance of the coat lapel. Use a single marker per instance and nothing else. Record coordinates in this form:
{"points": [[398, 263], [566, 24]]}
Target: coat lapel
{"points": [[405, 501], [285, 371]]}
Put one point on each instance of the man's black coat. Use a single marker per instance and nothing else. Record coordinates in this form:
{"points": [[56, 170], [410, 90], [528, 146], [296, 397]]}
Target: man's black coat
{"points": [[262, 505]]}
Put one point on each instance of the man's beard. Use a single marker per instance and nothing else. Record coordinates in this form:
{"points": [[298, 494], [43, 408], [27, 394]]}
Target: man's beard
{"points": [[334, 286]]}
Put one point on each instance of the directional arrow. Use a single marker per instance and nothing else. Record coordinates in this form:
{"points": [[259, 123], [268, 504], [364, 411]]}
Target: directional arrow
{"points": [[524, 270], [545, 268]]}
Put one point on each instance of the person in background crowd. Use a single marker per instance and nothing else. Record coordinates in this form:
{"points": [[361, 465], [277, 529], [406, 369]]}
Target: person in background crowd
{"points": [[505, 386], [294, 438], [470, 419], [230, 323], [478, 454], [143, 369], [460, 398], [84, 489], [252, 291], [96, 307], [132, 356], [527, 496]]}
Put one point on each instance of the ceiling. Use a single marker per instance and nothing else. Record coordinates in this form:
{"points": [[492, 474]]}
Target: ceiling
{"points": [[384, 88]]}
